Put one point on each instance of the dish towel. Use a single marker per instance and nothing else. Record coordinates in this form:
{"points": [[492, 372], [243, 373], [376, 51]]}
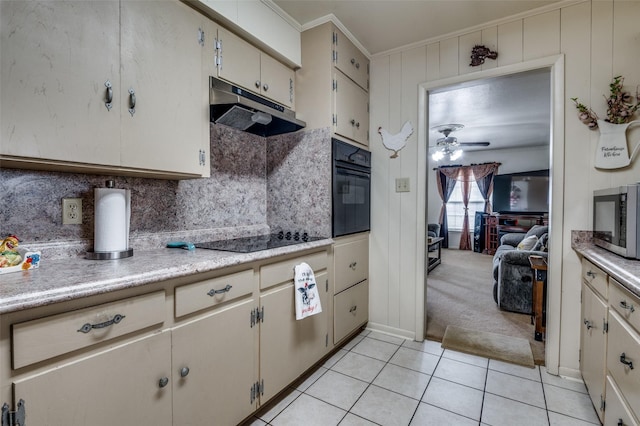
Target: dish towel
{"points": [[306, 292]]}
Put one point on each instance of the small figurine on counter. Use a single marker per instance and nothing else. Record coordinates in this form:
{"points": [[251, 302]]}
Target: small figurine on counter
{"points": [[9, 255]]}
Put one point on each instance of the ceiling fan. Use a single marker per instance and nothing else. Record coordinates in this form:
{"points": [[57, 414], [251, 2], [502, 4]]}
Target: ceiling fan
{"points": [[448, 146]]}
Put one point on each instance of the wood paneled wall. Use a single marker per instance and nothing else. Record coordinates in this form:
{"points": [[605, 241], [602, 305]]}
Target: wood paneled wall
{"points": [[598, 39]]}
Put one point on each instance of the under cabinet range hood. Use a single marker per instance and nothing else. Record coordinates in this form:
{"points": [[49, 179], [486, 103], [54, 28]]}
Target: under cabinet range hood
{"points": [[236, 107]]}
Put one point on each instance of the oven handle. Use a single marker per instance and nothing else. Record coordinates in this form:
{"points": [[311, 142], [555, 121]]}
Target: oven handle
{"points": [[350, 171]]}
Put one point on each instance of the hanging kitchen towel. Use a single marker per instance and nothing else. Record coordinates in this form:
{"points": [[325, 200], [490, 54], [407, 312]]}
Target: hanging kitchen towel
{"points": [[306, 292]]}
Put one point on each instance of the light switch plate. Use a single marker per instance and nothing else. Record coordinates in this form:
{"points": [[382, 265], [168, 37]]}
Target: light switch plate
{"points": [[402, 184]]}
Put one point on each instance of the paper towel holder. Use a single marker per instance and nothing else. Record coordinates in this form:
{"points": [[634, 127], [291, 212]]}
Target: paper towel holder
{"points": [[108, 255]]}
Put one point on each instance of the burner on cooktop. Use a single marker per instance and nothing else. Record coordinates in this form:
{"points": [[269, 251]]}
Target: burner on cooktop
{"points": [[258, 242]]}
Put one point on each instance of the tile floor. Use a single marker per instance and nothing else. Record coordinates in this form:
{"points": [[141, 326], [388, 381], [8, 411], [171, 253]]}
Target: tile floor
{"points": [[377, 379]]}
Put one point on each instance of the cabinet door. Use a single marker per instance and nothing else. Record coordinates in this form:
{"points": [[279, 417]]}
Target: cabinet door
{"points": [[617, 413], [351, 310], [277, 81], [351, 262], [350, 60], [351, 110], [56, 58], [219, 352], [120, 386], [288, 346], [162, 64], [593, 346], [240, 63]]}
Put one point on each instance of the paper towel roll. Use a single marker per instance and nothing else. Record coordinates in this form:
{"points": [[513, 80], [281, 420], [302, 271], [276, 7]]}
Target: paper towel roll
{"points": [[112, 215]]}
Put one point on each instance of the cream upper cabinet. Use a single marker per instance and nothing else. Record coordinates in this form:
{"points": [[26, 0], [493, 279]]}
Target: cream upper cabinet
{"points": [[161, 87], [103, 86], [55, 65], [333, 84], [245, 65]]}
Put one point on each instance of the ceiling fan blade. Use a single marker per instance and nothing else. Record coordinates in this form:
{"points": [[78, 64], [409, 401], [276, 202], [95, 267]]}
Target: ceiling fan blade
{"points": [[475, 143]]}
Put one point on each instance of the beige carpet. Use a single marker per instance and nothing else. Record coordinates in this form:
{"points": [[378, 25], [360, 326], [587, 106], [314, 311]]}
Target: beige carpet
{"points": [[489, 345], [460, 293]]}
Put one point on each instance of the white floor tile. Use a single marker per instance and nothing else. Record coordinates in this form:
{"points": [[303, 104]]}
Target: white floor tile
{"points": [[335, 358], [353, 420], [562, 382], [453, 397], [304, 383], [385, 407], [402, 380], [428, 415], [386, 338], [375, 349], [359, 366], [499, 411], [556, 419], [515, 370], [254, 422], [309, 411], [517, 388], [415, 360], [273, 408], [337, 389], [351, 343], [571, 403], [428, 346], [462, 373], [466, 358]]}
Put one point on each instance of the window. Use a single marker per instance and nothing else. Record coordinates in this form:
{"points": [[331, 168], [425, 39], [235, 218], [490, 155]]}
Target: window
{"points": [[455, 207]]}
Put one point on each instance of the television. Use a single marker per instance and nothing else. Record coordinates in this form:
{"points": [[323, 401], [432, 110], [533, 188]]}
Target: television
{"points": [[521, 193]]}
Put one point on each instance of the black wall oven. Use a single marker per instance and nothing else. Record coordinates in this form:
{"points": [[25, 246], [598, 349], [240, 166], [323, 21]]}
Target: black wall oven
{"points": [[351, 199]]}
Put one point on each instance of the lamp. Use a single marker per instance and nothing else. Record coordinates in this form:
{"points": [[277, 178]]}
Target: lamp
{"points": [[446, 151]]}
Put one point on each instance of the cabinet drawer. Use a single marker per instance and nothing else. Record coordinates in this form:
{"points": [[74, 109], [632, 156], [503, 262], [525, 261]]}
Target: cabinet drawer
{"points": [[351, 310], [207, 293], [281, 272], [595, 277], [617, 412], [351, 262], [625, 303], [44, 338], [623, 340]]}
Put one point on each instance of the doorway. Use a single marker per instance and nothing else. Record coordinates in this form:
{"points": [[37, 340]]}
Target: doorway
{"points": [[554, 66]]}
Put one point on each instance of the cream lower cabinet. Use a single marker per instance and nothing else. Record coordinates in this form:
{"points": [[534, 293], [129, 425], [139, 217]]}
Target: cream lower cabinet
{"points": [[120, 386], [351, 285], [214, 367], [288, 347], [594, 346]]}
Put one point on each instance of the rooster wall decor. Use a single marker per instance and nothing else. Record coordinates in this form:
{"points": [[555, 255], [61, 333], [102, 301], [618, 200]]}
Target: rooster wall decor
{"points": [[396, 142]]}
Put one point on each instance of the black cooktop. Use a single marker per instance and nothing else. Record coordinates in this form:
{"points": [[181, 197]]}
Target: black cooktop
{"points": [[258, 242]]}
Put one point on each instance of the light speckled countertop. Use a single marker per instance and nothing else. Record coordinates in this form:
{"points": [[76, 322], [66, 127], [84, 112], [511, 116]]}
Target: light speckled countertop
{"points": [[66, 279], [625, 271]]}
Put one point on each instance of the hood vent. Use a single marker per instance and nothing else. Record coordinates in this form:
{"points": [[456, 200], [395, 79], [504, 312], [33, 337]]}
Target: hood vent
{"points": [[235, 107]]}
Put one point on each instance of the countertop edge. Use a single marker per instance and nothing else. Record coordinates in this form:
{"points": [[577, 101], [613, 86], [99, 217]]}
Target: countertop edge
{"points": [[84, 278], [625, 271]]}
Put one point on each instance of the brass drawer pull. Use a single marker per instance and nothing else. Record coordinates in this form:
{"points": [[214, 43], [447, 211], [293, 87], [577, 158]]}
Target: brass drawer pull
{"points": [[625, 305], [88, 327], [623, 359], [213, 292]]}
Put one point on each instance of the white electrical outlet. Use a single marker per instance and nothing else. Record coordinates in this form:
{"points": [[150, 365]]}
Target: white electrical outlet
{"points": [[71, 211], [402, 185]]}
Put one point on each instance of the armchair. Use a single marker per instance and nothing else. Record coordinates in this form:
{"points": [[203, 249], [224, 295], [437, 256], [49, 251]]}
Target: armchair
{"points": [[512, 273]]}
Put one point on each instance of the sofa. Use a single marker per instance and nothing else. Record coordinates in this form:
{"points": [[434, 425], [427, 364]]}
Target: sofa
{"points": [[512, 273]]}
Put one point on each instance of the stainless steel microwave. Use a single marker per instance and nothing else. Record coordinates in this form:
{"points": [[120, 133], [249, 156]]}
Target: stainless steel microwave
{"points": [[616, 220]]}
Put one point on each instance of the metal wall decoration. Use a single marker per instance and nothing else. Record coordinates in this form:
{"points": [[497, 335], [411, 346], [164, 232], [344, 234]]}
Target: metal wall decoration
{"points": [[479, 53]]}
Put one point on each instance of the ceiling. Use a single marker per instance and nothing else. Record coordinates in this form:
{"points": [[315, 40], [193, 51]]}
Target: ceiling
{"points": [[381, 25], [509, 112]]}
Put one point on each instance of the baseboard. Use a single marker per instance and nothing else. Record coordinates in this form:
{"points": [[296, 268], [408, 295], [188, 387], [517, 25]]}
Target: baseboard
{"points": [[391, 331], [570, 373]]}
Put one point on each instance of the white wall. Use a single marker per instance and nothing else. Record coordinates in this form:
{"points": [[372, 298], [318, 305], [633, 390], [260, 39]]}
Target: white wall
{"points": [[599, 40]]}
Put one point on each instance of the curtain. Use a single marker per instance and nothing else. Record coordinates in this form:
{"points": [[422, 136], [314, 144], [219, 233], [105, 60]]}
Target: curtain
{"points": [[484, 174], [465, 176], [445, 188]]}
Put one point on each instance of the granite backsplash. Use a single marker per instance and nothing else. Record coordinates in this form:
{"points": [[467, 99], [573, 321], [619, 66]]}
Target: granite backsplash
{"points": [[257, 185]]}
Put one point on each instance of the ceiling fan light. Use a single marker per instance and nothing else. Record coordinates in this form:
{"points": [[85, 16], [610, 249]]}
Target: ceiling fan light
{"points": [[455, 155], [437, 156]]}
